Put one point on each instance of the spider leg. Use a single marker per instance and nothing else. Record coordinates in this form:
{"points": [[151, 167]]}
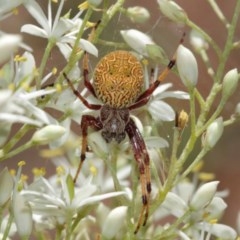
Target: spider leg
{"points": [[87, 121], [87, 83], [78, 95], [142, 158], [145, 96]]}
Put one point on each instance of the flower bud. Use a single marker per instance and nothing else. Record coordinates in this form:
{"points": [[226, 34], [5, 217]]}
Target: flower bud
{"points": [[6, 183], [197, 41], [138, 14], [204, 195], [137, 40], [187, 67], [48, 134], [181, 120], [114, 221], [230, 82], [172, 11], [213, 133]]}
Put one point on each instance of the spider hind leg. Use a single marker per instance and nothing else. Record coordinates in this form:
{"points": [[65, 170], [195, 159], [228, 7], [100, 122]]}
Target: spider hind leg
{"points": [[143, 161]]}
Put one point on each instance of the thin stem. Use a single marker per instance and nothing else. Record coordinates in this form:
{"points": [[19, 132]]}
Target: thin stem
{"points": [[8, 227], [50, 45], [207, 64], [17, 150], [194, 163], [208, 104], [218, 12], [206, 36], [212, 118], [16, 138], [199, 98], [192, 111], [229, 43]]}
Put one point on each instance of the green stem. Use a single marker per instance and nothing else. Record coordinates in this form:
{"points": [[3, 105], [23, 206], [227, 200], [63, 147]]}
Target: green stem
{"points": [[206, 36], [193, 164], [208, 104], [8, 227], [218, 12], [212, 118], [229, 43], [192, 110], [199, 99], [50, 45], [16, 138], [17, 150]]}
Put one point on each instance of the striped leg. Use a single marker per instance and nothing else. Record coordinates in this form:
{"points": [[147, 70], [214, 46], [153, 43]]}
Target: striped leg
{"points": [[143, 161]]}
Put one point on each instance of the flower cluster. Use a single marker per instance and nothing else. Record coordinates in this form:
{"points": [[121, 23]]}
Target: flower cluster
{"points": [[37, 108]]}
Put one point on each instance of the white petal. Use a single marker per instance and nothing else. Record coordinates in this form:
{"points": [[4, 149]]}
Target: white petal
{"points": [[14, 118], [88, 47], [221, 231], [156, 142], [162, 88], [6, 183], [36, 11], [204, 195], [161, 111], [174, 94], [114, 222], [65, 49], [34, 30], [174, 204], [97, 198], [22, 216]]}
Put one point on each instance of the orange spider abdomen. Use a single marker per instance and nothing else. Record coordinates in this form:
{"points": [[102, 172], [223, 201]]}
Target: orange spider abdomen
{"points": [[118, 79]]}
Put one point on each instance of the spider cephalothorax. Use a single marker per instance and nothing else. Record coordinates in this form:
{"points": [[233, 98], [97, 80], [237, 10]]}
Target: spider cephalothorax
{"points": [[114, 122], [118, 83]]}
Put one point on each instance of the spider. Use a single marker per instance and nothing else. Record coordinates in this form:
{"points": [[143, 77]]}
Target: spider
{"points": [[118, 81]]}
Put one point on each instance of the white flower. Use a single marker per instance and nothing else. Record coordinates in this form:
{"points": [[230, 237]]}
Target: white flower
{"points": [[55, 204], [201, 206], [218, 230], [60, 29], [7, 6], [160, 110]]}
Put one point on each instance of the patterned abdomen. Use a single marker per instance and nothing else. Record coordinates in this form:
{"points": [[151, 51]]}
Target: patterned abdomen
{"points": [[118, 79]]}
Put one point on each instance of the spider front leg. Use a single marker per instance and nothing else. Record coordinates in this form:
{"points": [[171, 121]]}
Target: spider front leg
{"points": [[87, 121], [143, 161]]}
